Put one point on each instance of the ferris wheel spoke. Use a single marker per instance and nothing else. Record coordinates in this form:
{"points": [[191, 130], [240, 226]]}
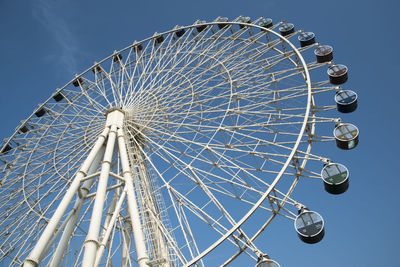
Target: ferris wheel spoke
{"points": [[99, 83], [116, 78], [95, 96], [78, 101], [14, 231], [176, 86], [152, 56], [140, 67], [210, 174], [186, 141], [271, 47], [251, 203], [201, 214], [68, 155], [188, 243], [121, 81], [198, 211], [162, 59], [197, 179], [257, 58], [107, 81], [97, 107], [239, 168], [38, 188], [43, 151]]}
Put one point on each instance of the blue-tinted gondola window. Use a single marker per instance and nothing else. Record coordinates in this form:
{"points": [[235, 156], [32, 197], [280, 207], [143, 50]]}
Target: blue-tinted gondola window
{"points": [[267, 263], [323, 50], [337, 70], [265, 22], [245, 19], [335, 173], [346, 132], [345, 97], [286, 27], [309, 223], [306, 36]]}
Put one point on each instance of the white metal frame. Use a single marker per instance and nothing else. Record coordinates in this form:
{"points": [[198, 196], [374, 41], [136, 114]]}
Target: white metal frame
{"points": [[182, 77]]}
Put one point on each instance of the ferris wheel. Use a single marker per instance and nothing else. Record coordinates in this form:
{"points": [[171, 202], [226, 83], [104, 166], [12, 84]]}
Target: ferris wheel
{"points": [[179, 150]]}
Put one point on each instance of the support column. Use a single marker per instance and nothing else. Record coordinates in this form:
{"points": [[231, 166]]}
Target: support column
{"points": [[111, 224], [133, 210], [33, 258], [91, 242], [66, 236]]}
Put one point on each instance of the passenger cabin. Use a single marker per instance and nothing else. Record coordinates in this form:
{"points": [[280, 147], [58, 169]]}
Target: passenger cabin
{"points": [[286, 29], [335, 177], [309, 226], [346, 136]]}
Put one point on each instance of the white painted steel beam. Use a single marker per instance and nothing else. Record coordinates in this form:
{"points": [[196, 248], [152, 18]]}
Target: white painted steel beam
{"points": [[108, 230], [133, 210], [92, 242]]}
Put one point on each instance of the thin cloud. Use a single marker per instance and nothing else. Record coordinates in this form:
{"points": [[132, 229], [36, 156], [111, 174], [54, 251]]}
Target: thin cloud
{"points": [[50, 17]]}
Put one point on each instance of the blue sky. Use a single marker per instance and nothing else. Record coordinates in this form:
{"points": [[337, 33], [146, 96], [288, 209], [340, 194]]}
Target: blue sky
{"points": [[44, 43]]}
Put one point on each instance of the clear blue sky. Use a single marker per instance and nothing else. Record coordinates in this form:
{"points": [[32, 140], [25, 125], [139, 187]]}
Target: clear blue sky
{"points": [[44, 43]]}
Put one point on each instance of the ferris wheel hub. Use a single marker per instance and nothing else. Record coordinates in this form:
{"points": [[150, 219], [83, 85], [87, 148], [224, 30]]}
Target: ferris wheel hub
{"points": [[115, 116]]}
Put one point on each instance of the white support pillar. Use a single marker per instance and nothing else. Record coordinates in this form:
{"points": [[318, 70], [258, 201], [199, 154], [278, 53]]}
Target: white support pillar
{"points": [[107, 233], [91, 242], [66, 236], [113, 211], [55, 236], [133, 210], [33, 258]]}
